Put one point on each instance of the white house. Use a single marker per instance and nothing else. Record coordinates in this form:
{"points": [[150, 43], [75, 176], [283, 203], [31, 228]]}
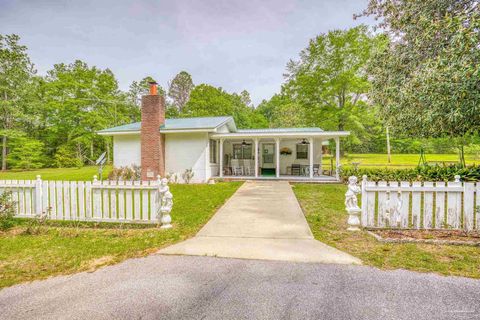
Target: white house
{"points": [[214, 147]]}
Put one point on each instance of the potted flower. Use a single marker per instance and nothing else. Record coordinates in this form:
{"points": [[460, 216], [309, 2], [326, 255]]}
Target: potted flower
{"points": [[285, 151]]}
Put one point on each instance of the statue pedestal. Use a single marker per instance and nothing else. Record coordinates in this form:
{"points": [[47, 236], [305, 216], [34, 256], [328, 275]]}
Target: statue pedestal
{"points": [[354, 219], [166, 220]]}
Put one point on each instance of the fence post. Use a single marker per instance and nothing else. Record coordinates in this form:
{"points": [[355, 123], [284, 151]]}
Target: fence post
{"points": [[468, 205], [38, 195], [351, 204], [364, 219]]}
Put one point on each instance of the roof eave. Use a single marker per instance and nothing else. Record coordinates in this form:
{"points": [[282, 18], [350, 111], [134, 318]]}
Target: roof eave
{"points": [[187, 130], [117, 133], [283, 134]]}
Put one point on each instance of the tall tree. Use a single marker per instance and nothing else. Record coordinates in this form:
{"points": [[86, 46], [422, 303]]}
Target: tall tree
{"points": [[141, 88], [427, 79], [282, 111], [245, 97], [16, 72], [206, 100], [79, 100], [330, 82], [180, 88]]}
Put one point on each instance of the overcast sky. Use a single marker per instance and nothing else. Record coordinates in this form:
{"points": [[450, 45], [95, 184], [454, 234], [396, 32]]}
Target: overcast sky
{"points": [[233, 44]]}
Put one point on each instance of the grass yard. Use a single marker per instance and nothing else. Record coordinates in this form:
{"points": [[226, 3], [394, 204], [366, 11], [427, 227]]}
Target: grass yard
{"points": [[66, 174], [323, 206], [64, 248], [402, 160]]}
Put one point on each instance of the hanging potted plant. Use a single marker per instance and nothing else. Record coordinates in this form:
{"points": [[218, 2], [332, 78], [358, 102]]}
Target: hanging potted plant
{"points": [[285, 151]]}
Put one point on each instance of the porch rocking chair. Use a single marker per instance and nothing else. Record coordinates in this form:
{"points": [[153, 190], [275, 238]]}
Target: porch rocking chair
{"points": [[295, 169], [237, 168], [247, 169]]}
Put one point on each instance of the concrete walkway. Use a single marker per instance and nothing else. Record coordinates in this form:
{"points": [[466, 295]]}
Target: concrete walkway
{"points": [[262, 220]]}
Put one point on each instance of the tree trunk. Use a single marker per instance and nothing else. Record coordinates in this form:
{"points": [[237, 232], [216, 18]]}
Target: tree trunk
{"points": [[91, 150], [389, 156], [461, 153], [4, 153]]}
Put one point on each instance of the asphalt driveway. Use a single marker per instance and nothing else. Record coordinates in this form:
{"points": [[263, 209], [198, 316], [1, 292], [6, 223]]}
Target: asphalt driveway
{"points": [[192, 287]]}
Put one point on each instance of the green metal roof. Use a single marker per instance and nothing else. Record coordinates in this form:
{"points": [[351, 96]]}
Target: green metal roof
{"points": [[280, 130], [204, 123], [198, 123], [126, 127]]}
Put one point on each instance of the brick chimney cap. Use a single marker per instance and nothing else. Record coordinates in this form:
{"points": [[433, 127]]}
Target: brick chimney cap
{"points": [[152, 82]]}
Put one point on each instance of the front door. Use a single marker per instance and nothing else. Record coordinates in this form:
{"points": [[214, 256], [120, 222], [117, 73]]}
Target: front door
{"points": [[268, 159]]}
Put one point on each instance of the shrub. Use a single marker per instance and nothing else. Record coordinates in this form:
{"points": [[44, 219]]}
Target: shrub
{"points": [[172, 177], [27, 154], [422, 173], [188, 175], [67, 157], [132, 173], [7, 210]]}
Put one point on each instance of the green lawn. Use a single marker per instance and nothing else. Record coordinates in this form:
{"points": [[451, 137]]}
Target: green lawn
{"points": [[67, 174], [64, 248], [402, 160], [324, 209]]}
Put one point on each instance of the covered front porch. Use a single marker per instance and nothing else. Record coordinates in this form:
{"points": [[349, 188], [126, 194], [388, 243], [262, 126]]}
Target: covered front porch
{"points": [[284, 156]]}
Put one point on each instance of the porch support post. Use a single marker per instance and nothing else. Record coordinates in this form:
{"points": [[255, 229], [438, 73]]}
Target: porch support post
{"points": [[337, 158], [277, 151], [320, 171], [310, 153], [221, 158], [256, 157]]}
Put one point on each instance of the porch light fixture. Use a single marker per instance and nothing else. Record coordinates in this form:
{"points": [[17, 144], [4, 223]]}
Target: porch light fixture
{"points": [[244, 143], [304, 141]]}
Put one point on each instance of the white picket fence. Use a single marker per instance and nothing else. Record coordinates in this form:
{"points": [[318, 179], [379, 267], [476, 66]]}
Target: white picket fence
{"points": [[106, 201], [427, 205]]}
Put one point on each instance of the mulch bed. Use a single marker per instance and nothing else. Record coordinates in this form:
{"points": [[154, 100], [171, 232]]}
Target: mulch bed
{"points": [[454, 237]]}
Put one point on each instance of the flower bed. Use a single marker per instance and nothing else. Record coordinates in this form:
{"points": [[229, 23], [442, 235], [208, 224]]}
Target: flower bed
{"points": [[455, 237]]}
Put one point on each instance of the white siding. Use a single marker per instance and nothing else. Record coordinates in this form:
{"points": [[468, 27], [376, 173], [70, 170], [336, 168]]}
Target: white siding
{"points": [[126, 150], [187, 151], [223, 129]]}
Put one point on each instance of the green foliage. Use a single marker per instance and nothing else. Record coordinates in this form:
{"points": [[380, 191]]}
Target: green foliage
{"points": [[206, 100], [27, 154], [16, 77], [421, 173], [427, 78], [7, 210], [139, 89], [78, 101], [326, 87], [67, 157], [281, 111]]}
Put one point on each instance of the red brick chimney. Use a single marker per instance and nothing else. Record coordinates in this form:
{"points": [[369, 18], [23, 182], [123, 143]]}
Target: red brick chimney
{"points": [[152, 141]]}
